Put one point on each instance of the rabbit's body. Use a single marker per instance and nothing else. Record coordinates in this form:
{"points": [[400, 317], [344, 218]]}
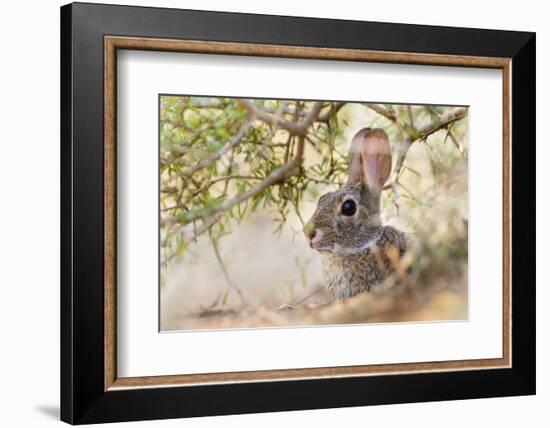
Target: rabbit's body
{"points": [[358, 252], [347, 274]]}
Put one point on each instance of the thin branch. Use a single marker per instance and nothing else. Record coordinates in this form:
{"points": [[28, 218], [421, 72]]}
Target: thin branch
{"points": [[208, 184], [454, 140], [422, 132], [395, 195], [391, 115], [411, 117], [230, 284], [402, 151], [297, 113], [296, 128], [445, 120], [276, 176], [209, 160], [414, 134], [325, 117], [173, 224]]}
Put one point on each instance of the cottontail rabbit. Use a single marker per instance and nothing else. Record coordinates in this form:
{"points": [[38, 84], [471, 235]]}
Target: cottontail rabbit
{"points": [[357, 251]]}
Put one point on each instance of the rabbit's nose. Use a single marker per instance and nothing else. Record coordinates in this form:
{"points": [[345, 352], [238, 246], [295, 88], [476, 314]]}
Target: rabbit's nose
{"points": [[310, 231]]}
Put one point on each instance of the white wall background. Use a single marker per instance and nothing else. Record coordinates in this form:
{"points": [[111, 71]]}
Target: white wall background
{"points": [[29, 218]]}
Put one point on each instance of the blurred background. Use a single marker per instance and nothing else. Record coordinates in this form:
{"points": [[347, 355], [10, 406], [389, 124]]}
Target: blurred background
{"points": [[239, 177]]}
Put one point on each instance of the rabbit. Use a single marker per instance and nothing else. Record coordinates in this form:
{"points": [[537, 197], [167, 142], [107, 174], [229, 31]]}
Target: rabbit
{"points": [[357, 251]]}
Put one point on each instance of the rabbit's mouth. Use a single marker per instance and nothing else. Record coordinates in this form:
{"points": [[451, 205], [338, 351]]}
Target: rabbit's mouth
{"points": [[321, 249], [325, 250], [315, 237], [343, 250], [315, 246]]}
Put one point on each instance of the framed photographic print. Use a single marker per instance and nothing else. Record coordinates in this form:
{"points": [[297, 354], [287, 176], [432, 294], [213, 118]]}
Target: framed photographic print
{"points": [[264, 213]]}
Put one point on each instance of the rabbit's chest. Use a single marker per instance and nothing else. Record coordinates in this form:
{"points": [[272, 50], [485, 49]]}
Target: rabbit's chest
{"points": [[346, 276]]}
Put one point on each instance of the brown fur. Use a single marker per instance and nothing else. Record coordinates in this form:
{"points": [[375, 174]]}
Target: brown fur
{"points": [[357, 251], [349, 274]]}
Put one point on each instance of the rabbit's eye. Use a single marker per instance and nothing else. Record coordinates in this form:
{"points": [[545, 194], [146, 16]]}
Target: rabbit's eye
{"points": [[349, 207]]}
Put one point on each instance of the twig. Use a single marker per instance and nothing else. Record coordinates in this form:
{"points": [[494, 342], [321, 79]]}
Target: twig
{"points": [[454, 140], [390, 115], [210, 183], [413, 135], [299, 128], [411, 117], [174, 225], [444, 120], [203, 163], [275, 177], [230, 284], [335, 108], [395, 195], [310, 295]]}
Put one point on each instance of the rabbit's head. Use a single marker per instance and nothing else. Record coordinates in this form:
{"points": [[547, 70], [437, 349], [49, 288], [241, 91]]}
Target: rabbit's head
{"points": [[348, 220]]}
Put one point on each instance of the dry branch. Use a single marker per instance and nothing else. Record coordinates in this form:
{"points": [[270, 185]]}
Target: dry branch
{"points": [[295, 128], [444, 120], [415, 134], [275, 177], [391, 115], [203, 163]]}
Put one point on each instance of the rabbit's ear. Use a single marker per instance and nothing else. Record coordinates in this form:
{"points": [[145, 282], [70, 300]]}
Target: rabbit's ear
{"points": [[370, 159]]}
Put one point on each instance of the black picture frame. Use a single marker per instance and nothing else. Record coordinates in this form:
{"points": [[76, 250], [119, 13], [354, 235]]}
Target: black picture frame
{"points": [[83, 396]]}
